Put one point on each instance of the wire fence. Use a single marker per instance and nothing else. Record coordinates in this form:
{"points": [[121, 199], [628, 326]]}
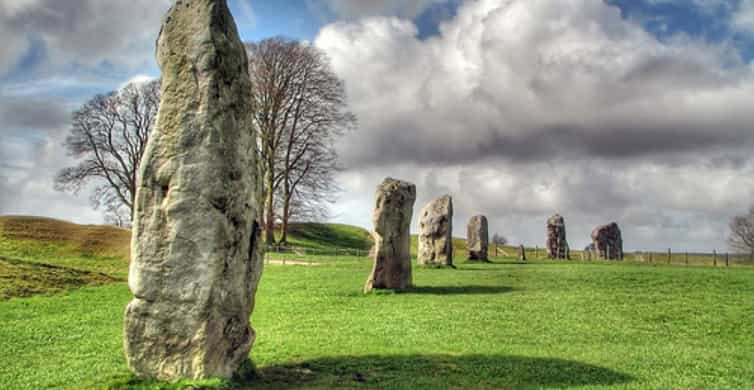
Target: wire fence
{"points": [[713, 258], [285, 254]]}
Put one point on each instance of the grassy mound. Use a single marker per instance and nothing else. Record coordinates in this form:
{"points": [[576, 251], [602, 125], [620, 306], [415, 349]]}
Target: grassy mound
{"points": [[100, 249], [22, 279], [326, 236]]}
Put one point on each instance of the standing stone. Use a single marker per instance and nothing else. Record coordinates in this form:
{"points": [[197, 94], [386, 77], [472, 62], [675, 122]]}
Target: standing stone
{"points": [[195, 259], [557, 245], [607, 242], [436, 233], [477, 238], [522, 253], [392, 241]]}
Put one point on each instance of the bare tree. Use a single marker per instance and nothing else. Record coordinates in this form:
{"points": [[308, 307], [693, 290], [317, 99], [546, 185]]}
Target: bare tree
{"points": [[742, 232], [498, 240], [299, 109], [108, 135], [118, 214]]}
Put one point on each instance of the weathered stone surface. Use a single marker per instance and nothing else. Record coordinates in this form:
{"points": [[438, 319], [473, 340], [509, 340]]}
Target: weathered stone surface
{"points": [[392, 241], [436, 233], [477, 238], [557, 245], [607, 242], [195, 260], [522, 253]]}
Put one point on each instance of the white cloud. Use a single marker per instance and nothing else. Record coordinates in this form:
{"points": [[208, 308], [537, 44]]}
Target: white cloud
{"points": [[28, 165], [524, 108], [137, 79], [743, 18], [84, 32]]}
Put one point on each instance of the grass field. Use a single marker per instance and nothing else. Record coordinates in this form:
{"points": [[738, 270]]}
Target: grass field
{"points": [[502, 325]]}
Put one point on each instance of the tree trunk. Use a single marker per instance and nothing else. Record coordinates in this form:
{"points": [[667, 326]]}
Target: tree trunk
{"points": [[284, 227], [286, 212], [269, 204]]}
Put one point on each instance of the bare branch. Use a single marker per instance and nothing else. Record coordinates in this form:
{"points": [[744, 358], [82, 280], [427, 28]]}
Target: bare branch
{"points": [[299, 108], [742, 232], [108, 135]]}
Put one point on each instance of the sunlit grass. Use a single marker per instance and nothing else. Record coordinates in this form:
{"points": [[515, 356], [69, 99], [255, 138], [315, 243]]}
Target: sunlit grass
{"points": [[546, 324]]}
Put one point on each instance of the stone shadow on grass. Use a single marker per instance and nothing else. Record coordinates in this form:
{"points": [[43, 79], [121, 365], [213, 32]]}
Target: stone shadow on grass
{"points": [[457, 290], [434, 371], [404, 371]]}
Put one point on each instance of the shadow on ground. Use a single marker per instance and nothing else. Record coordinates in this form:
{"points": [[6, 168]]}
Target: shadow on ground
{"points": [[413, 371]]}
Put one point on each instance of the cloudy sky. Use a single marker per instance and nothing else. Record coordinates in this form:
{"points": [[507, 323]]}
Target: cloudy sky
{"points": [[634, 111]]}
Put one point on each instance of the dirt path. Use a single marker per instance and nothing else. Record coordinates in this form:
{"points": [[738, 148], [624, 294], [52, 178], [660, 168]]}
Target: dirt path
{"points": [[290, 262]]}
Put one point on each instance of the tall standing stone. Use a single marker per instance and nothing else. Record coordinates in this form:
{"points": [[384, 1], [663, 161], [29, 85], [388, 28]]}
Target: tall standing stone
{"points": [[557, 245], [522, 253], [392, 241], [608, 242], [195, 260], [477, 238], [436, 233]]}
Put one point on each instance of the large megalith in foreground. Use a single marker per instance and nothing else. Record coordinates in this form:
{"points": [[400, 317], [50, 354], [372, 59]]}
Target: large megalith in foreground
{"points": [[607, 241], [477, 238], [436, 233], [195, 260], [557, 245], [393, 210]]}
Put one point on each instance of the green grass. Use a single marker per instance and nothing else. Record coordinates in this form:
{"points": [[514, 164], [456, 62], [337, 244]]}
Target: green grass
{"points": [[503, 325], [538, 325], [328, 236]]}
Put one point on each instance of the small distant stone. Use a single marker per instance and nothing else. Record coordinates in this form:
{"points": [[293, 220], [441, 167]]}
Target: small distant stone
{"points": [[436, 233], [557, 244], [477, 238], [607, 242], [392, 238]]}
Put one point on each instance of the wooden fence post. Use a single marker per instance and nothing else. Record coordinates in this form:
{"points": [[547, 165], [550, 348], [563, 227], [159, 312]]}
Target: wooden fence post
{"points": [[726, 259], [686, 256], [670, 256], [714, 258]]}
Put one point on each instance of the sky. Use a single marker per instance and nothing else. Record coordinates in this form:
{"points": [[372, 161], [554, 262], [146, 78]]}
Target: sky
{"points": [[634, 111]]}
